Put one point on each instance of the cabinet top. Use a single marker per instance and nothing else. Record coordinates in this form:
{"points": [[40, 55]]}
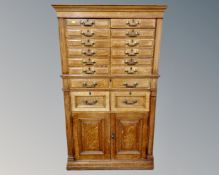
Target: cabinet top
{"points": [[115, 11]]}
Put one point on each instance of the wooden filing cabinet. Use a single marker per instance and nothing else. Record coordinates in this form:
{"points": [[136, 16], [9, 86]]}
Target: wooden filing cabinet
{"points": [[110, 56]]}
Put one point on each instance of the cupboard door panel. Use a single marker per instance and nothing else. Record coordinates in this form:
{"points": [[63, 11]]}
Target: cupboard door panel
{"points": [[129, 131], [91, 135]]}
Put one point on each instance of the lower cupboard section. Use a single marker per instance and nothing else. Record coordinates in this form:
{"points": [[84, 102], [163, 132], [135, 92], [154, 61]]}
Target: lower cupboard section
{"points": [[105, 136]]}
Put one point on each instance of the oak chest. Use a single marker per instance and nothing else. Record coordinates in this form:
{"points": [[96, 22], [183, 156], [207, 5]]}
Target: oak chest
{"points": [[110, 56]]}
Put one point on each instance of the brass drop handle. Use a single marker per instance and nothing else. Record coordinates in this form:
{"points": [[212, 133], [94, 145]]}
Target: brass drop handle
{"points": [[127, 102], [88, 62], [89, 71], [86, 85], [131, 62], [132, 52], [132, 33], [132, 43], [88, 42], [130, 86], [131, 70], [87, 33], [87, 22], [88, 52], [132, 23], [87, 102]]}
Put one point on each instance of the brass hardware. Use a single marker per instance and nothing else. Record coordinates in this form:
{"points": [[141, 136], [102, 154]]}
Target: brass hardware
{"points": [[88, 62], [130, 86], [88, 52], [132, 33], [132, 52], [90, 102], [89, 71], [132, 23], [132, 43], [87, 22], [127, 102], [87, 33], [86, 85], [131, 70], [130, 62], [113, 136], [88, 42]]}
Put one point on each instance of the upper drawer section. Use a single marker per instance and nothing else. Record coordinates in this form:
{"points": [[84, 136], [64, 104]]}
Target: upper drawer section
{"points": [[133, 23], [95, 23]]}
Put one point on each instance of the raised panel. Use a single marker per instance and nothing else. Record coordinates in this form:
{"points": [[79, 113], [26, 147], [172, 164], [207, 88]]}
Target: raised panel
{"points": [[130, 130], [91, 135]]}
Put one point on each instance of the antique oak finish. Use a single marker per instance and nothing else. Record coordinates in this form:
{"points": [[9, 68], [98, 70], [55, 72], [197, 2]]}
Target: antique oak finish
{"points": [[110, 56]]}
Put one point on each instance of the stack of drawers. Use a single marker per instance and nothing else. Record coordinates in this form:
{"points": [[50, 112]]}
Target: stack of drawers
{"points": [[110, 70]]}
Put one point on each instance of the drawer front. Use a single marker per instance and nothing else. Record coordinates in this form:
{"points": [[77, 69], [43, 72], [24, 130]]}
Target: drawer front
{"points": [[131, 70], [86, 52], [133, 33], [131, 61], [133, 23], [89, 70], [87, 61], [130, 101], [127, 42], [90, 101], [130, 83], [88, 42], [72, 32], [140, 52], [93, 23], [89, 83]]}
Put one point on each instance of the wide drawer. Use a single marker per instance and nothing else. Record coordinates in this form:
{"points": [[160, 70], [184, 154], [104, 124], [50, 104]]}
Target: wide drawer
{"points": [[89, 83], [130, 42], [90, 101], [94, 23], [130, 101], [87, 61], [72, 32], [133, 33], [131, 70], [130, 83], [88, 42], [84, 52], [132, 61], [89, 70], [140, 52], [133, 23]]}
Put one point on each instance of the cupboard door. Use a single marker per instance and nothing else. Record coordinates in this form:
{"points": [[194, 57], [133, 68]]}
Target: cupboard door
{"points": [[129, 135], [91, 132]]}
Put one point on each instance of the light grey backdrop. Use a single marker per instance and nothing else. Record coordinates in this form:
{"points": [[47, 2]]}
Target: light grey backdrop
{"points": [[32, 129]]}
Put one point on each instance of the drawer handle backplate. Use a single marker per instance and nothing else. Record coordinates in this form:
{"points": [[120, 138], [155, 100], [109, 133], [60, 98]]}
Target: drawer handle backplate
{"points": [[88, 62], [86, 85], [87, 22], [132, 52], [132, 23], [86, 102], [127, 102], [133, 33], [87, 33], [89, 71], [131, 70], [88, 42], [130, 86], [132, 43], [130, 62], [88, 52]]}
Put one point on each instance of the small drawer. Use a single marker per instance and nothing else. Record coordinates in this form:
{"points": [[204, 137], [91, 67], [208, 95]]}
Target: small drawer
{"points": [[130, 101], [90, 101], [139, 52], [132, 61], [93, 23], [130, 83], [131, 70], [88, 42], [132, 33], [88, 52], [72, 32], [133, 23], [89, 83], [87, 61], [89, 70], [131, 42]]}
